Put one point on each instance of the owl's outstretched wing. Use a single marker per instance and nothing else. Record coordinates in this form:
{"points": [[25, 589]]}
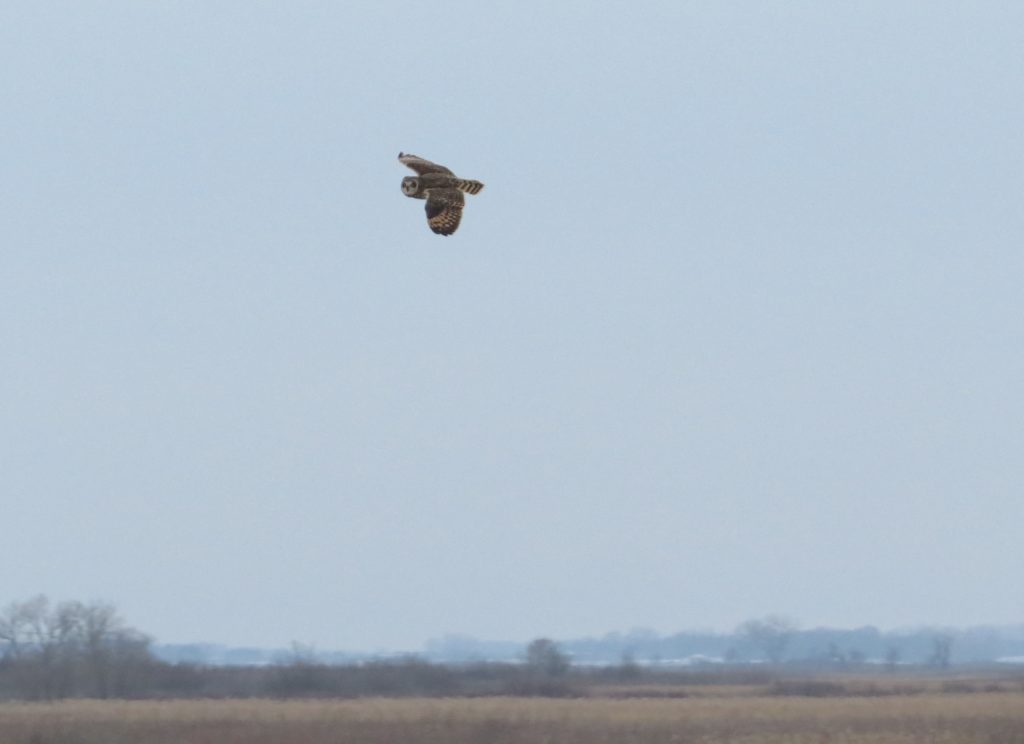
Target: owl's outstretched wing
{"points": [[444, 210], [422, 165]]}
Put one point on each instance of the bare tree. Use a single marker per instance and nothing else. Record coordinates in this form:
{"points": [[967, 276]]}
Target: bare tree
{"points": [[14, 629], [942, 651], [770, 635], [70, 649], [545, 659], [44, 637], [892, 658], [545, 672]]}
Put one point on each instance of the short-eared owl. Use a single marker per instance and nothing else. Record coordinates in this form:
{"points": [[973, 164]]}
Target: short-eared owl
{"points": [[442, 190]]}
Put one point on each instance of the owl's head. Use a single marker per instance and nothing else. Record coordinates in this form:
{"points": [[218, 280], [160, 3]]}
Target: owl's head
{"points": [[410, 185]]}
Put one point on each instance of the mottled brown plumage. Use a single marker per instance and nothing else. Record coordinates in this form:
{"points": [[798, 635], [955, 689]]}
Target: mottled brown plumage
{"points": [[442, 190]]}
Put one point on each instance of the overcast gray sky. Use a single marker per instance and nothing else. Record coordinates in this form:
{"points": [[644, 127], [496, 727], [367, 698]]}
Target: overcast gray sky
{"points": [[736, 327]]}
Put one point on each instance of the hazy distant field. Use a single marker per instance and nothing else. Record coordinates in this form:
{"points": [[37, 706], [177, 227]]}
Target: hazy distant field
{"points": [[950, 718]]}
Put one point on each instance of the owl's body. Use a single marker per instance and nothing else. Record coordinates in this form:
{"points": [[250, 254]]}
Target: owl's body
{"points": [[442, 190], [418, 186]]}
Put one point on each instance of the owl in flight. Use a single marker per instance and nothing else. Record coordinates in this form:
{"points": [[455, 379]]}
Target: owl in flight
{"points": [[442, 190]]}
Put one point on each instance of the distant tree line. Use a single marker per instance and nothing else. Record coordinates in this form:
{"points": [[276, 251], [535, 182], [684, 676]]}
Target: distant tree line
{"points": [[70, 649], [779, 640], [59, 650]]}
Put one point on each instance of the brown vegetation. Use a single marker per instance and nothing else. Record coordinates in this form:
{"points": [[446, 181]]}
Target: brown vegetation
{"points": [[951, 718]]}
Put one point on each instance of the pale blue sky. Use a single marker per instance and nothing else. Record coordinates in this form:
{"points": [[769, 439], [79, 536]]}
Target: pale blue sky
{"points": [[736, 327]]}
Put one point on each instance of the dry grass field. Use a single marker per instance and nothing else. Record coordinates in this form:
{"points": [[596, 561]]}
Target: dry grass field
{"points": [[933, 717]]}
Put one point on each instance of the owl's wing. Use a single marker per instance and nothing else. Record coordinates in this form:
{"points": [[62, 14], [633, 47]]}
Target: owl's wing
{"points": [[444, 210], [421, 165]]}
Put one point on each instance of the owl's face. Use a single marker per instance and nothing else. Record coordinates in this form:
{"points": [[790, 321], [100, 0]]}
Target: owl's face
{"points": [[410, 185]]}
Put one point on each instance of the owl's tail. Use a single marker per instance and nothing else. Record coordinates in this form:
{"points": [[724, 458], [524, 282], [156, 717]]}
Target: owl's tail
{"points": [[470, 187]]}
